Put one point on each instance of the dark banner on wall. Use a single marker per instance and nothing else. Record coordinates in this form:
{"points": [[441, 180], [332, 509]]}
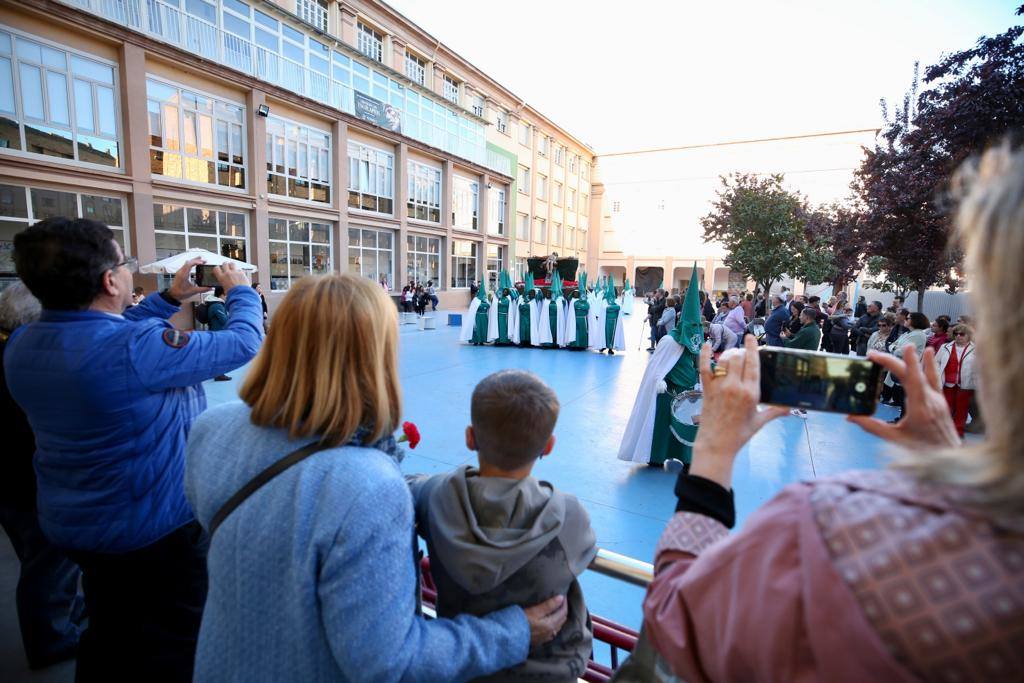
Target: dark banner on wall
{"points": [[375, 111]]}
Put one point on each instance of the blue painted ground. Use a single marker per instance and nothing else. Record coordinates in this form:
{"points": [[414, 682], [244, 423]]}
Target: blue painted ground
{"points": [[628, 503]]}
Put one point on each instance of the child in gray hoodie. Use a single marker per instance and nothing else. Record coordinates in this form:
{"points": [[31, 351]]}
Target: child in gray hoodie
{"points": [[498, 537]]}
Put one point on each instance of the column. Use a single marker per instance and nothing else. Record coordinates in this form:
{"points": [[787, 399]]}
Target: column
{"points": [[401, 200], [347, 30], [259, 244], [481, 221], [135, 152], [446, 217], [339, 192]]}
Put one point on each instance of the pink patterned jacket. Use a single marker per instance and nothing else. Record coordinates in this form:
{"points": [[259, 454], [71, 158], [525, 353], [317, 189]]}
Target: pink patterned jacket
{"points": [[869, 576]]}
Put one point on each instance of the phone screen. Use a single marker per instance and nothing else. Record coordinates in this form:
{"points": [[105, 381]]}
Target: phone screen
{"points": [[819, 381], [205, 276]]}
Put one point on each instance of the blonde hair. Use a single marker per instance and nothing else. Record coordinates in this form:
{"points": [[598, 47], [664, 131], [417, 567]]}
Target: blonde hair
{"points": [[991, 230], [329, 362]]}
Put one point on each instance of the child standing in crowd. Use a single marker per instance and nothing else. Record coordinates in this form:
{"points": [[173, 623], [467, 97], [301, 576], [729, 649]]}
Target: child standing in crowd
{"points": [[499, 537]]}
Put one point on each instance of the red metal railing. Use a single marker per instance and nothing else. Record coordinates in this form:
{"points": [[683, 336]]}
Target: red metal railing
{"points": [[616, 636]]}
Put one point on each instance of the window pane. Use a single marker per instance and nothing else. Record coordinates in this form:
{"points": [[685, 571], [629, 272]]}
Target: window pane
{"points": [[83, 107], [31, 91], [202, 220], [48, 203], [57, 94], [298, 231], [233, 224], [168, 217], [321, 259], [6, 86], [12, 201], [107, 113], [169, 245], [90, 69], [278, 229], [104, 209], [27, 50], [320, 233]]}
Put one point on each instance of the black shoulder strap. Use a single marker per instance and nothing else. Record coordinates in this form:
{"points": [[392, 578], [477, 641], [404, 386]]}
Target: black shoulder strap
{"points": [[257, 482]]}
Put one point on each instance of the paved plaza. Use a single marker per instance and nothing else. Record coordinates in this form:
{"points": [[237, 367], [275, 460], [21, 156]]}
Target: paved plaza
{"points": [[628, 503]]}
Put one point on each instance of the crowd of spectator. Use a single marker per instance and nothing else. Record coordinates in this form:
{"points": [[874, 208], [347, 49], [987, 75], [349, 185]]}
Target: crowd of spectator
{"points": [[272, 538], [415, 297]]}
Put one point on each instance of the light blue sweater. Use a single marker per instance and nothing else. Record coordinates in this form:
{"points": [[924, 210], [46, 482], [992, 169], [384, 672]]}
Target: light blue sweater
{"points": [[313, 578]]}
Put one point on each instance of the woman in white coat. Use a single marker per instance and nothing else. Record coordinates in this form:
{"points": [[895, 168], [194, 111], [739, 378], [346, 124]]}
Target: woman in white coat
{"points": [[958, 374]]}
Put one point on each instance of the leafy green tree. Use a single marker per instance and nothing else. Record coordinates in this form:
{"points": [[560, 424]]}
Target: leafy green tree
{"points": [[760, 224]]}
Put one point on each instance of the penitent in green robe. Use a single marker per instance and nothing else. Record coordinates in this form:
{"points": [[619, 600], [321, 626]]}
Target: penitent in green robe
{"points": [[503, 321], [664, 445], [611, 317], [480, 324], [581, 309], [553, 317], [524, 321]]}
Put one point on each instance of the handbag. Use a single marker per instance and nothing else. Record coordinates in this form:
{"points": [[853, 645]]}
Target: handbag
{"points": [[261, 479]]}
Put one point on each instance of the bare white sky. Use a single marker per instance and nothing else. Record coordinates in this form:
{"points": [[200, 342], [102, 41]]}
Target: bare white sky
{"points": [[632, 75]]}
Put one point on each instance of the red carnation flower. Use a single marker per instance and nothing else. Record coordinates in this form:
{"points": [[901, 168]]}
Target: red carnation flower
{"points": [[410, 434]]}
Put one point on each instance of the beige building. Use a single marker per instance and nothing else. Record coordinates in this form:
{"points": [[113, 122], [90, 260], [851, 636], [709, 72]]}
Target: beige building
{"points": [[651, 202], [303, 136]]}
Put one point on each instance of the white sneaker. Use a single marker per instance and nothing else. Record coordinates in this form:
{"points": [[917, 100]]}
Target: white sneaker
{"points": [[799, 412]]}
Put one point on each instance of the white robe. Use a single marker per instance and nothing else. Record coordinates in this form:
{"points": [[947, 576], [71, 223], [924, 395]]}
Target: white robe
{"points": [[627, 302], [639, 434], [560, 322], [595, 320], [513, 320], [570, 322], [492, 319], [468, 320], [540, 323]]}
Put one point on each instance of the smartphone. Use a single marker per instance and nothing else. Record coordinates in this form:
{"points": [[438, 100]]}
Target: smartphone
{"points": [[815, 380], [205, 276]]}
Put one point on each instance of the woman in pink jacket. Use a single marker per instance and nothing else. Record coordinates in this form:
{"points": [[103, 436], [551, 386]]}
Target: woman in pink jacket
{"points": [[915, 573]]}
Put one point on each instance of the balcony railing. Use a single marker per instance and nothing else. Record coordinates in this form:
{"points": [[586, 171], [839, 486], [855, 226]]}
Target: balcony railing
{"points": [[172, 25]]}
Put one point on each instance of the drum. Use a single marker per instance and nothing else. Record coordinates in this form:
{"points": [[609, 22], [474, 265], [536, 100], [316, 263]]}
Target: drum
{"points": [[686, 408]]}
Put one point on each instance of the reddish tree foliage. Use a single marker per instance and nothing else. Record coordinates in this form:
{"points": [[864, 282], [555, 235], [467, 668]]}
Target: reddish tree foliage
{"points": [[975, 98]]}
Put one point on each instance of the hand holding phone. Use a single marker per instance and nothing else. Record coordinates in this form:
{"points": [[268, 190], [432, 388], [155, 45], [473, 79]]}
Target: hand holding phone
{"points": [[814, 380], [206, 276]]}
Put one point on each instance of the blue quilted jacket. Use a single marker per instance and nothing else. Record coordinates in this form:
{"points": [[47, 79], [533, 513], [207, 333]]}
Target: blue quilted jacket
{"points": [[111, 399]]}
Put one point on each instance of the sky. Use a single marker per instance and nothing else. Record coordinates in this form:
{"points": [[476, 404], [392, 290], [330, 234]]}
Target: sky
{"points": [[645, 74]]}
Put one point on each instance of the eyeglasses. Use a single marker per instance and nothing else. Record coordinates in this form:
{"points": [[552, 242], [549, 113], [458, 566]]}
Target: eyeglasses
{"points": [[960, 334], [131, 263]]}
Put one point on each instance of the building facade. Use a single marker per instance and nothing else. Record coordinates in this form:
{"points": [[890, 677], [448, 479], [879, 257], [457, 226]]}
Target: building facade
{"points": [[303, 136], [651, 202]]}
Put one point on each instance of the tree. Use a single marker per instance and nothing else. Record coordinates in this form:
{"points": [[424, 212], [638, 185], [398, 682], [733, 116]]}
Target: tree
{"points": [[833, 249], [759, 223], [972, 99], [884, 281]]}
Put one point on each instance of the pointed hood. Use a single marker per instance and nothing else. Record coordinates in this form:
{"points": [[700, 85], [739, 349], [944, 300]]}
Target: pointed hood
{"points": [[689, 331], [529, 283], [609, 290], [625, 286], [556, 287], [581, 286], [482, 292]]}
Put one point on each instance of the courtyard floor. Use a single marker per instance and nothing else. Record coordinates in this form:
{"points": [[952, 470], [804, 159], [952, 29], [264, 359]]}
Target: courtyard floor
{"points": [[628, 503]]}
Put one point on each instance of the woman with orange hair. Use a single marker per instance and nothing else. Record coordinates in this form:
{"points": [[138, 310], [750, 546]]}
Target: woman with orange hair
{"points": [[311, 567]]}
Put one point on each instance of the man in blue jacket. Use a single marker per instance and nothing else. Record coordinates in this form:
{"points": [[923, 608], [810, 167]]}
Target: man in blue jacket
{"points": [[111, 392], [776, 321]]}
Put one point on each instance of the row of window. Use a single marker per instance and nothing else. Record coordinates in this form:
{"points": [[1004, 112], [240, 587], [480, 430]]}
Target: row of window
{"points": [[540, 233], [297, 247], [541, 190]]}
